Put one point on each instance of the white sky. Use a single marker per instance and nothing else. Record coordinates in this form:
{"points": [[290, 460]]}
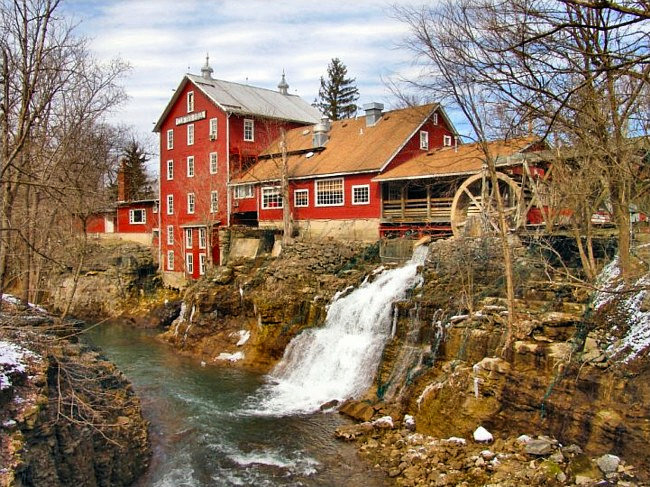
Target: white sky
{"points": [[248, 41]]}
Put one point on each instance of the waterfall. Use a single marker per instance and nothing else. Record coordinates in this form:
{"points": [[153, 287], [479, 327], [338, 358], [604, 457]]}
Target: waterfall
{"points": [[339, 360]]}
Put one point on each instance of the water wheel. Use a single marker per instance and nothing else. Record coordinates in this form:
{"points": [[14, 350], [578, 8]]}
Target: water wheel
{"points": [[474, 208]]}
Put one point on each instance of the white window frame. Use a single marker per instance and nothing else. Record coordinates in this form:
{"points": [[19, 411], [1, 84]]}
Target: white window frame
{"points": [[188, 238], [190, 134], [424, 140], [190, 101], [170, 260], [297, 192], [203, 237], [244, 191], [170, 204], [191, 203], [170, 170], [213, 128], [170, 139], [189, 263], [271, 191], [202, 261], [214, 201], [249, 126], [132, 216], [354, 196], [435, 118], [190, 166], [446, 140], [317, 192], [170, 234], [214, 163]]}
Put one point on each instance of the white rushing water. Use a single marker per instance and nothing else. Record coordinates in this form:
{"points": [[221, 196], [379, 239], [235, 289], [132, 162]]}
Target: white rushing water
{"points": [[339, 360]]}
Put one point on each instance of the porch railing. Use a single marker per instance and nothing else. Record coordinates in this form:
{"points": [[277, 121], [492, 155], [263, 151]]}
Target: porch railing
{"points": [[417, 210]]}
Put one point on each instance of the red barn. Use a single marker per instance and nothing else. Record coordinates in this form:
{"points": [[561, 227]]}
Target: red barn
{"points": [[331, 167], [210, 130]]}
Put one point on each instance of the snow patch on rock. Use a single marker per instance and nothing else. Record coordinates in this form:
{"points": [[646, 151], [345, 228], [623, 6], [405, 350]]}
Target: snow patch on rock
{"points": [[12, 359], [230, 357]]}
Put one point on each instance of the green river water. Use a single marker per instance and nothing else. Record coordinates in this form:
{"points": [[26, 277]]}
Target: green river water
{"points": [[203, 432]]}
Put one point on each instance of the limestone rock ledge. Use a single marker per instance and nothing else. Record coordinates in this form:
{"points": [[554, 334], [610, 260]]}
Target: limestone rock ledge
{"points": [[67, 416]]}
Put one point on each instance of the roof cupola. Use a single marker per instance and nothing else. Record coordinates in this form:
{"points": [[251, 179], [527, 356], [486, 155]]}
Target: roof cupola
{"points": [[206, 70], [283, 86]]}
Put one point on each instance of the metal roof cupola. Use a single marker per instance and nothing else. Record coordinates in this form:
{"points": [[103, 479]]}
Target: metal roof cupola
{"points": [[206, 70], [283, 86]]}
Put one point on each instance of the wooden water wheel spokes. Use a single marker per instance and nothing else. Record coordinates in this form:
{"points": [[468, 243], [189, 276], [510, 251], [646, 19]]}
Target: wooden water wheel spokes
{"points": [[474, 208]]}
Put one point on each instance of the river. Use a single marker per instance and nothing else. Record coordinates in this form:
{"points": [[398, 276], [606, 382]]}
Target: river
{"points": [[203, 434]]}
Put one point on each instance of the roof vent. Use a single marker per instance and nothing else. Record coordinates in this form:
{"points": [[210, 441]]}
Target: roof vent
{"points": [[206, 70], [321, 136], [373, 113], [283, 86]]}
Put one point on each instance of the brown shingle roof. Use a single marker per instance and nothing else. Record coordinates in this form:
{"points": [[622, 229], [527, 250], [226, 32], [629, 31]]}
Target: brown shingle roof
{"points": [[352, 147], [466, 159]]}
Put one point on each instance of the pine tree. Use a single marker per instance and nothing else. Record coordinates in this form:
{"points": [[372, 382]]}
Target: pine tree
{"points": [[337, 94], [136, 182]]}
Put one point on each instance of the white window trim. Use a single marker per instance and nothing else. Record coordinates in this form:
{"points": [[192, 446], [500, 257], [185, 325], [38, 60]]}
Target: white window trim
{"points": [[424, 140], [202, 263], [446, 140], [170, 260], [190, 167], [189, 263], [191, 203], [342, 203], [295, 197], [170, 139], [170, 170], [252, 124], [248, 194], [215, 169], [170, 234], [214, 123], [367, 186], [275, 189], [170, 204], [132, 216], [214, 202], [435, 118], [190, 134], [203, 238], [190, 101], [188, 238]]}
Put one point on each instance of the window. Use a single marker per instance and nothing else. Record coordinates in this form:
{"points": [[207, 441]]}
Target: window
{"points": [[213, 129], [424, 140], [170, 235], [170, 139], [301, 197], [190, 166], [155, 206], [201, 264], [213, 163], [271, 198], [170, 204], [190, 203], [202, 238], [188, 238], [137, 217], [190, 101], [170, 170], [170, 260], [190, 134], [435, 118], [361, 194], [446, 140], [189, 264], [245, 191], [214, 201], [249, 130], [329, 192]]}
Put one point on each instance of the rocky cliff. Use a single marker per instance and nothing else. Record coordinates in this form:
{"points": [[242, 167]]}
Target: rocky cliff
{"points": [[67, 416]]}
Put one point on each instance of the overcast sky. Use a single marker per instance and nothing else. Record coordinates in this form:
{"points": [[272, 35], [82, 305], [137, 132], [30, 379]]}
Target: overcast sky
{"points": [[249, 41]]}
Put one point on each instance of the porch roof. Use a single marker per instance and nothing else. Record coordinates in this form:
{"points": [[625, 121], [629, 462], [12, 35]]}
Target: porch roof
{"points": [[464, 159]]}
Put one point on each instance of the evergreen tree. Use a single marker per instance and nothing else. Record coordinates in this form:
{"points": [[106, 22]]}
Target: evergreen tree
{"points": [[136, 182], [337, 94]]}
